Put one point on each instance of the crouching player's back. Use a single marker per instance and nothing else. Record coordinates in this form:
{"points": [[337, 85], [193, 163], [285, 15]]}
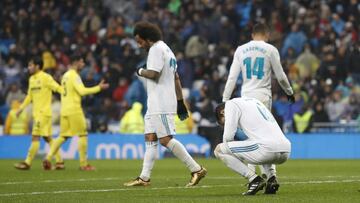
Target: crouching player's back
{"points": [[266, 145]]}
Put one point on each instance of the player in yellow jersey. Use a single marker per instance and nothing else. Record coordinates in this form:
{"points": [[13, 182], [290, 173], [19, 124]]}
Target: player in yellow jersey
{"points": [[72, 121], [41, 86]]}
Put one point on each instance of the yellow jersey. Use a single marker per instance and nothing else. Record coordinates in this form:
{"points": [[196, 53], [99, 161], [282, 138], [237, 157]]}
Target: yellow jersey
{"points": [[74, 89], [41, 86]]}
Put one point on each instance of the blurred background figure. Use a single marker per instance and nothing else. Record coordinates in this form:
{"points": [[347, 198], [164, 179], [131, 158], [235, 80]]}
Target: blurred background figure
{"points": [[133, 121], [302, 120], [17, 125]]}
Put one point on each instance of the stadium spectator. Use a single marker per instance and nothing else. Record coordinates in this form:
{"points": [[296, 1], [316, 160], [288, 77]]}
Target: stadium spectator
{"points": [[14, 94], [307, 64], [320, 115], [16, 124], [296, 39], [133, 121], [120, 90], [336, 106], [302, 120]]}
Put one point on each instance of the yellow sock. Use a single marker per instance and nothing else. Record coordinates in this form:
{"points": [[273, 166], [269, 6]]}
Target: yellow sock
{"points": [[83, 150], [34, 148], [54, 147], [58, 158]]}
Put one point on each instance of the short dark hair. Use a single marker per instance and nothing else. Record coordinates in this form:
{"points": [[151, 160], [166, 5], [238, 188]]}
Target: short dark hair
{"points": [[36, 60], [218, 110], [260, 28], [147, 31], [75, 57]]}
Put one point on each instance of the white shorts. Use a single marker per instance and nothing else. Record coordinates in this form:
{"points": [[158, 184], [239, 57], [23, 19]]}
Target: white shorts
{"points": [[160, 124], [265, 99], [253, 153]]}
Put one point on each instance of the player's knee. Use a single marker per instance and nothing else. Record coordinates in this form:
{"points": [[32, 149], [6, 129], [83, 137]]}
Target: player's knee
{"points": [[35, 138], [217, 151], [165, 140], [47, 139], [151, 137]]}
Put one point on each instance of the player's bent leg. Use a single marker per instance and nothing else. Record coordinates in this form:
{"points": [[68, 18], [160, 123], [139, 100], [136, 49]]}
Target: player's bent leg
{"points": [[34, 148], [178, 149], [272, 185], [151, 145], [233, 162], [256, 183], [59, 164]]}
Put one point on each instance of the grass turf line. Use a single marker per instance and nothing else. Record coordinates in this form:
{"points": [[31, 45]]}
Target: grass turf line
{"points": [[301, 181]]}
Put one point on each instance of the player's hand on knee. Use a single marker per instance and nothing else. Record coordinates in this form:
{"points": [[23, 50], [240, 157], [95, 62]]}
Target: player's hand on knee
{"points": [[182, 110]]}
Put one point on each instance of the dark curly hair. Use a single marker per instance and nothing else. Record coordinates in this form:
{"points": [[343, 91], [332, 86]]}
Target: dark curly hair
{"points": [[36, 60], [147, 31], [218, 110]]}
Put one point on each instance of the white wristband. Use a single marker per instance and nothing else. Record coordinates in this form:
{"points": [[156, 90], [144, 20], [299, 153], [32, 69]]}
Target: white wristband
{"points": [[140, 70]]}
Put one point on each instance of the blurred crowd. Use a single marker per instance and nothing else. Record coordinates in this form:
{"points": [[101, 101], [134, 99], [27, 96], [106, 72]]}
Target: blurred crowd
{"points": [[318, 41]]}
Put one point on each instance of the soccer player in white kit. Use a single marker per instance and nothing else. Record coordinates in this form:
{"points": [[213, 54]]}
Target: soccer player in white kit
{"points": [[266, 143], [164, 100], [256, 60]]}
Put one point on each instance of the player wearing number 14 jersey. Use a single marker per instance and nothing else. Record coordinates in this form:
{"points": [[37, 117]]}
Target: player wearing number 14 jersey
{"points": [[256, 59]]}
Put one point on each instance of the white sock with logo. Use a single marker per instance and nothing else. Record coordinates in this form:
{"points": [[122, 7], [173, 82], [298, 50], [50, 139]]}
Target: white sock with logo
{"points": [[149, 159], [180, 152]]}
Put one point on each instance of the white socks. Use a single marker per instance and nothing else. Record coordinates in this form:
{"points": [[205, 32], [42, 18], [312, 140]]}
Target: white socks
{"points": [[236, 165], [270, 170], [262, 170], [149, 159], [180, 152]]}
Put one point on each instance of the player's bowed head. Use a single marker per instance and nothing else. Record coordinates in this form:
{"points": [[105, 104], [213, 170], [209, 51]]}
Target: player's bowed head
{"points": [[220, 113]]}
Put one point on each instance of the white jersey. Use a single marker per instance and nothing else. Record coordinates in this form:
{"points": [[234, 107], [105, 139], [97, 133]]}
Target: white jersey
{"points": [[255, 60], [161, 94], [256, 121]]}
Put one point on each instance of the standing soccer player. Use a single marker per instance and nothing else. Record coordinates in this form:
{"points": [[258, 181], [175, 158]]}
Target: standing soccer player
{"points": [[164, 101], [267, 144], [72, 121], [256, 60], [41, 86]]}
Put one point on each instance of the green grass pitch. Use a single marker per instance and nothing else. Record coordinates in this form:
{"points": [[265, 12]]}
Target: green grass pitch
{"points": [[301, 181]]}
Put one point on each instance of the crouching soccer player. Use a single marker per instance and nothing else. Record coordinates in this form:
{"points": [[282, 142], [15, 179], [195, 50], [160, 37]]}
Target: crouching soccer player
{"points": [[72, 121], [41, 86], [266, 144]]}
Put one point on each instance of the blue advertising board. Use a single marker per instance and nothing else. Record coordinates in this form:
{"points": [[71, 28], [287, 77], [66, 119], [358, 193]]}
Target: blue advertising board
{"points": [[113, 146], [100, 146]]}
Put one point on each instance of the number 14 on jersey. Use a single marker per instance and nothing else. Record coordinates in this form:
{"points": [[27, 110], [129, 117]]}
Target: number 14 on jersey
{"points": [[254, 70]]}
